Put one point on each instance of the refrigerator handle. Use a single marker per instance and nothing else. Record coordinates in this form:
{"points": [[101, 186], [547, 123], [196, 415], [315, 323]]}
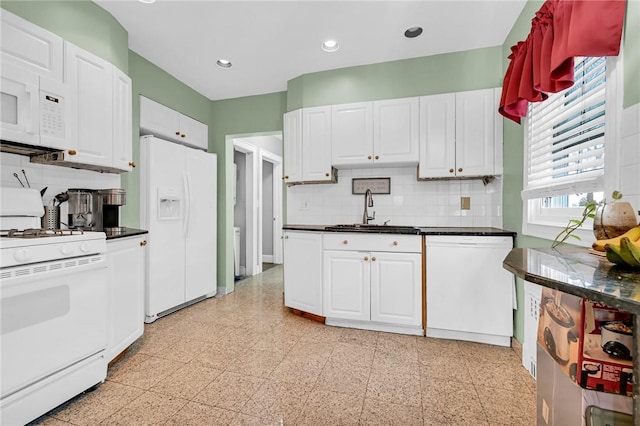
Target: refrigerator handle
{"points": [[187, 210]]}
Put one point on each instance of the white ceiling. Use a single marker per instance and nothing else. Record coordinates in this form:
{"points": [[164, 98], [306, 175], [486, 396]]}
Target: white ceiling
{"points": [[271, 42]]}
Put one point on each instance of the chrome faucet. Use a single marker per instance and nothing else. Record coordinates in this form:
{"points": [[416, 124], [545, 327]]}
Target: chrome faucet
{"points": [[368, 201]]}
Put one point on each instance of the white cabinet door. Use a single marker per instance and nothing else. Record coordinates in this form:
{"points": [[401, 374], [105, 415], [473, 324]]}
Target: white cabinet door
{"points": [[437, 136], [158, 119], [31, 47], [347, 289], [316, 144], [122, 116], [475, 133], [91, 123], [396, 288], [396, 131], [125, 293], [352, 134], [193, 132], [303, 271], [292, 144]]}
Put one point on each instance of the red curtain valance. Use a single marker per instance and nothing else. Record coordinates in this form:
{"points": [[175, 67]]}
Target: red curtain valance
{"points": [[560, 31]]}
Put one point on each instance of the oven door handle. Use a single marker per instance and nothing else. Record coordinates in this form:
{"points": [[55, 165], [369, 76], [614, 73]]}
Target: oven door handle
{"points": [[187, 209]]}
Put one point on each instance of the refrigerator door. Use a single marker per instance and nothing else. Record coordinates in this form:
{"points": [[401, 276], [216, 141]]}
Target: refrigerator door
{"points": [[163, 164], [201, 226]]}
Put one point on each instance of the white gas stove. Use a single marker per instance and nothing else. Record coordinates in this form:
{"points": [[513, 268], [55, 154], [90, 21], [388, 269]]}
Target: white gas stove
{"points": [[53, 310]]}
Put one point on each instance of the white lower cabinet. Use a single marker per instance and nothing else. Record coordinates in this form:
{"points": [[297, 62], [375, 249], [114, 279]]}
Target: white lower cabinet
{"points": [[303, 271], [126, 292], [373, 289]]}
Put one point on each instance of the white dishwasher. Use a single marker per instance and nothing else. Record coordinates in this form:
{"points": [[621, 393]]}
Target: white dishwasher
{"points": [[470, 296]]}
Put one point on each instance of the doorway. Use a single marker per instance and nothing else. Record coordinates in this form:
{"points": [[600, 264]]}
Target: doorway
{"points": [[257, 203]]}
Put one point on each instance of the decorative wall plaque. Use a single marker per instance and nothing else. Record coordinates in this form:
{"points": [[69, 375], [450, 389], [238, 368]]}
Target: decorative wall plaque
{"points": [[376, 185]]}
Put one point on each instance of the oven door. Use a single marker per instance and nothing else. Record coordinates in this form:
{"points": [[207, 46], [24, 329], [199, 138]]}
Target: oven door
{"points": [[19, 114], [52, 316]]}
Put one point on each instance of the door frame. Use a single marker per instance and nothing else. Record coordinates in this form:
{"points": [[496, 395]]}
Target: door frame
{"points": [[252, 266], [276, 162]]}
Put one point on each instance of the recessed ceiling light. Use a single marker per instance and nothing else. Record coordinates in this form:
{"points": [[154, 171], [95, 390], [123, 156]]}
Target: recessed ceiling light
{"points": [[223, 63], [147, 1], [413, 32], [330, 46]]}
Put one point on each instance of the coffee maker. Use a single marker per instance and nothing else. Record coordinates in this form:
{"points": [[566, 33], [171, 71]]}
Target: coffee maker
{"points": [[82, 209], [109, 202]]}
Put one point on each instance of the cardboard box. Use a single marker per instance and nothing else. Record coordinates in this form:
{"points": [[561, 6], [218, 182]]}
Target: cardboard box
{"points": [[591, 342], [561, 402]]}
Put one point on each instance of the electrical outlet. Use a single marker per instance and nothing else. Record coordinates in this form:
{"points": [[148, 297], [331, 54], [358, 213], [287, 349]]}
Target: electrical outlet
{"points": [[545, 411], [465, 203]]}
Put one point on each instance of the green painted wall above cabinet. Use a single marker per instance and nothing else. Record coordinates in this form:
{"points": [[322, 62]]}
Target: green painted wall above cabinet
{"points": [[451, 72]]}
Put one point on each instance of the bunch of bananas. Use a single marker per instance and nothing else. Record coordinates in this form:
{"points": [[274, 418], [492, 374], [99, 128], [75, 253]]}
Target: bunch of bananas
{"points": [[622, 250]]}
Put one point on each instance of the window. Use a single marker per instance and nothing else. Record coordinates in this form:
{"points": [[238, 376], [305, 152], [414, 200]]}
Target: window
{"points": [[566, 138]]}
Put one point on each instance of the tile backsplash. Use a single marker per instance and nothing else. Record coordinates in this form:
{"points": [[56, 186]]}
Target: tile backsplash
{"points": [[411, 202], [57, 179], [630, 155]]}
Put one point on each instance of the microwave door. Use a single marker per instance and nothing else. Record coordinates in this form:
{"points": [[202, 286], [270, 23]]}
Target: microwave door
{"points": [[54, 110], [19, 90]]}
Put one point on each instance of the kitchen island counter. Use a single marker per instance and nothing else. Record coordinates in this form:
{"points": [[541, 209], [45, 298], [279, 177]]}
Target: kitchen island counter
{"points": [[576, 271]]}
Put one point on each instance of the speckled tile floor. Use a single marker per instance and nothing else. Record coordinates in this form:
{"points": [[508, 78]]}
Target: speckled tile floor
{"points": [[244, 359]]}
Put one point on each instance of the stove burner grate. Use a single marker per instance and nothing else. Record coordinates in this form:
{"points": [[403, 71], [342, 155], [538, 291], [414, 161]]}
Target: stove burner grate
{"points": [[39, 233]]}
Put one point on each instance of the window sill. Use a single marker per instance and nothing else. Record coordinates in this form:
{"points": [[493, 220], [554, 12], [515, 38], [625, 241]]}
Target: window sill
{"points": [[549, 232]]}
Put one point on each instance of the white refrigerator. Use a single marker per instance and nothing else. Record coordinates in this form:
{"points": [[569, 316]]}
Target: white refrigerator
{"points": [[178, 208]]}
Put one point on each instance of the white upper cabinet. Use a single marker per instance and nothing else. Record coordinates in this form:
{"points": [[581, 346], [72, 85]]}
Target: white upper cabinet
{"points": [[167, 123], [31, 47], [292, 144], [437, 135], [122, 117], [475, 132], [460, 135], [352, 134], [90, 79], [316, 144], [307, 145], [395, 134], [376, 133]]}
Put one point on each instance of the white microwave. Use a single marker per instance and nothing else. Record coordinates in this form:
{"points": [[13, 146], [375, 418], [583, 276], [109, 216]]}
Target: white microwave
{"points": [[34, 109]]}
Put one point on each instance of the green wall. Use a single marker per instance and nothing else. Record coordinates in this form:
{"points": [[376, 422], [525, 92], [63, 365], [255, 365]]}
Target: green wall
{"points": [[513, 134], [239, 116], [81, 22], [451, 72]]}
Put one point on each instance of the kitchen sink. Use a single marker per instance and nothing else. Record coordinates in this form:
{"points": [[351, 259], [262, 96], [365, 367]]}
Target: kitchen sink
{"points": [[386, 229]]}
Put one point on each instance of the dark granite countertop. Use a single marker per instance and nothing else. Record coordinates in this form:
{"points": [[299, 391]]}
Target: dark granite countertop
{"points": [[424, 230], [575, 271], [127, 232]]}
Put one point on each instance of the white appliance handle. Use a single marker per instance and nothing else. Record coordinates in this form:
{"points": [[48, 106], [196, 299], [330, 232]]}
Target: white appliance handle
{"points": [[187, 208], [34, 116]]}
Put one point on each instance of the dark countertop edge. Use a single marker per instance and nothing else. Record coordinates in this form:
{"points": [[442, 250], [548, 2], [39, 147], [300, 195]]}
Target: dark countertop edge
{"points": [[423, 230], [612, 300], [129, 232]]}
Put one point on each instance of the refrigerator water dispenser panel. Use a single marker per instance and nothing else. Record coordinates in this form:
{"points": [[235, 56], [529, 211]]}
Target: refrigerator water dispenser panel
{"points": [[168, 204]]}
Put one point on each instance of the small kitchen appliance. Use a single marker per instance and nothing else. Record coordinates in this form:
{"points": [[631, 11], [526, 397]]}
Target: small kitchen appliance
{"points": [[558, 333], [53, 309], [81, 209], [109, 202]]}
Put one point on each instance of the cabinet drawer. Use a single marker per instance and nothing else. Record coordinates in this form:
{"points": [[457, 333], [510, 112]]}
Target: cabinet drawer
{"points": [[372, 242]]}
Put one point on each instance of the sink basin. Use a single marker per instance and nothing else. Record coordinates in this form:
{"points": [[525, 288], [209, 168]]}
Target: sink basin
{"points": [[387, 229]]}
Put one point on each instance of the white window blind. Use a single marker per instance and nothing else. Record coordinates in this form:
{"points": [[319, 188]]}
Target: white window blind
{"points": [[566, 136]]}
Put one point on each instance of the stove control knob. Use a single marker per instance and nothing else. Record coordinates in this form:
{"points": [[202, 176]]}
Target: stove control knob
{"points": [[66, 249], [22, 255], [84, 247]]}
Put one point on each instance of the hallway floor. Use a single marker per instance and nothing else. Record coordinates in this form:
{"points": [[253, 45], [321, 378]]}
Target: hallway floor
{"points": [[244, 359]]}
